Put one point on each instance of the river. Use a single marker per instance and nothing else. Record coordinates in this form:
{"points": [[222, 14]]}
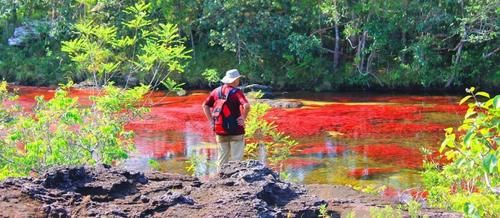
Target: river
{"points": [[355, 139]]}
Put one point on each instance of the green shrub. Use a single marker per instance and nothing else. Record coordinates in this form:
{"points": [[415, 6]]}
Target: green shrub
{"points": [[60, 131], [386, 212], [140, 47], [470, 181], [259, 132]]}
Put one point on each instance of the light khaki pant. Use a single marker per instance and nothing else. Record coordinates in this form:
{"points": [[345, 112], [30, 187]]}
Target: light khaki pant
{"points": [[232, 145]]}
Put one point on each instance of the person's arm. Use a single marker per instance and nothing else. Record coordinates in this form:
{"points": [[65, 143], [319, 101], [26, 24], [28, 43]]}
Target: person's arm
{"points": [[206, 108], [206, 111], [244, 114], [246, 110]]}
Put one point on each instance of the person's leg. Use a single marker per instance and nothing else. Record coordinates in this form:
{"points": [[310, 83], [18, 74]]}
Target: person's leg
{"points": [[223, 150], [237, 144]]}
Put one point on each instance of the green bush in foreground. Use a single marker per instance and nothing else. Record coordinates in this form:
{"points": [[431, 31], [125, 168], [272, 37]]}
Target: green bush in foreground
{"points": [[60, 131], [470, 181], [260, 132]]}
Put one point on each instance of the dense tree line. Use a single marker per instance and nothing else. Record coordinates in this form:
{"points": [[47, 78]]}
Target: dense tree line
{"points": [[290, 44]]}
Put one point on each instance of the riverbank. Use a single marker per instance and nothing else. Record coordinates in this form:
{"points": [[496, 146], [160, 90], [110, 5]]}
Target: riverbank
{"points": [[242, 189]]}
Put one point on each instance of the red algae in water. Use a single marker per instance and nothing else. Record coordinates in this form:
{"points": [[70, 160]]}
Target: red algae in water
{"points": [[320, 148], [400, 195], [368, 172], [175, 114], [352, 120], [27, 94], [415, 99], [455, 108], [301, 162], [391, 153]]}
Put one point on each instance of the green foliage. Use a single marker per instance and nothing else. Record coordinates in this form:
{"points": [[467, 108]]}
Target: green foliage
{"points": [[140, 46], [386, 212], [316, 45], [172, 85], [351, 214], [323, 211], [154, 164], [211, 75], [60, 131], [37, 60], [469, 183], [194, 162], [259, 133], [413, 207], [371, 188]]}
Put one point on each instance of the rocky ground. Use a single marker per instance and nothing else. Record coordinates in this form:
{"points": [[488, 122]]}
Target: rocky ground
{"points": [[242, 189]]}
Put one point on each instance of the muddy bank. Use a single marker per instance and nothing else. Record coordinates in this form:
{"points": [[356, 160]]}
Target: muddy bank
{"points": [[342, 201], [242, 189]]}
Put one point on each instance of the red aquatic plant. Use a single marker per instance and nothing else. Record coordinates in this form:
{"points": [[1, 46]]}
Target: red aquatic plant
{"points": [[404, 157], [352, 120], [368, 172], [301, 162], [319, 148]]}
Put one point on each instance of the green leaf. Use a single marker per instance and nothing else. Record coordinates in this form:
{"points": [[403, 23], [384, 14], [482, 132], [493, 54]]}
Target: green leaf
{"points": [[464, 99], [448, 141], [488, 103], [484, 94], [490, 162], [470, 210], [496, 102], [448, 130], [498, 162], [469, 113], [468, 137]]}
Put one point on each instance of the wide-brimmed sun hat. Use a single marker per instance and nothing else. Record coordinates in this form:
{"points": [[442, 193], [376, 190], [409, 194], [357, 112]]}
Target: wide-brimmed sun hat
{"points": [[231, 76]]}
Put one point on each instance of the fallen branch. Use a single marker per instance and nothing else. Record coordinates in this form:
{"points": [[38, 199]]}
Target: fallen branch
{"points": [[491, 53]]}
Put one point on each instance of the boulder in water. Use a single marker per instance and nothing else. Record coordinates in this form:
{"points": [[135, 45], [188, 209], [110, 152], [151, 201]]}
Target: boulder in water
{"points": [[265, 90]]}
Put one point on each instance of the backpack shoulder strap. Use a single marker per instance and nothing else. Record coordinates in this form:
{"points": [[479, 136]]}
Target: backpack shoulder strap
{"points": [[232, 91], [219, 93]]}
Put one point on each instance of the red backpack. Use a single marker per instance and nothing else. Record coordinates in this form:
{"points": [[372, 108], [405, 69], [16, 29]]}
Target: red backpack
{"points": [[224, 120]]}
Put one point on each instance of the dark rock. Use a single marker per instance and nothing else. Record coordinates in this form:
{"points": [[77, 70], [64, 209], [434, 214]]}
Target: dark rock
{"points": [[281, 103], [242, 189], [254, 184], [255, 88], [144, 199], [266, 91], [85, 84], [55, 211], [30, 31]]}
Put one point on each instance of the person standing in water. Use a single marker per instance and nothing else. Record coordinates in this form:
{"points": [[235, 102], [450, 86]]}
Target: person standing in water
{"points": [[226, 108]]}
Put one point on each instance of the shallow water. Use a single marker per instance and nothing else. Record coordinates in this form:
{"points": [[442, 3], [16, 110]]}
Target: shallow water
{"points": [[348, 138]]}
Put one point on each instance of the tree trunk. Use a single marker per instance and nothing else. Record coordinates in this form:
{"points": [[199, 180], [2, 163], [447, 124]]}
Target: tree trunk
{"points": [[455, 62], [361, 46], [192, 41], [336, 55], [369, 61], [238, 48]]}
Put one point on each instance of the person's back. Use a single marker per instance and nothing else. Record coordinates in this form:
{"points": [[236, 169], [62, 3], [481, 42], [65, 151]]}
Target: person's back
{"points": [[226, 108]]}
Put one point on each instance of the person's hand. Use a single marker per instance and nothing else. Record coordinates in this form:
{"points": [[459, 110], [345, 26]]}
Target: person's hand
{"points": [[241, 121]]}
